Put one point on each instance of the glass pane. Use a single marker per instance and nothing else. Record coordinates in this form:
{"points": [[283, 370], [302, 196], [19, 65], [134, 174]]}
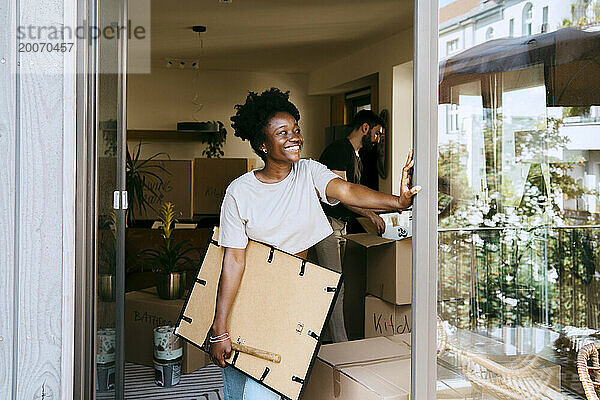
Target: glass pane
{"points": [[107, 138], [519, 223]]}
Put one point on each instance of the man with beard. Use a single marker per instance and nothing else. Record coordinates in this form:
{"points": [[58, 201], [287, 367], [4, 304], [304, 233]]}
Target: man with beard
{"points": [[342, 158]]}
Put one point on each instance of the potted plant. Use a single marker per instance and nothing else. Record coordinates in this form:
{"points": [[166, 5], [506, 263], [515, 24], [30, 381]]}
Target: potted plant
{"points": [[215, 141], [107, 261], [138, 178], [169, 260]]}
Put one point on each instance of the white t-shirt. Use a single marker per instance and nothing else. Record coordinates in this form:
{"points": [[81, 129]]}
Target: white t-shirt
{"points": [[286, 214]]}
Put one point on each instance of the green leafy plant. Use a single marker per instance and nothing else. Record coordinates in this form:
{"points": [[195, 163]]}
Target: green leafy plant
{"points": [[138, 174], [171, 256], [107, 255], [576, 111], [215, 142]]}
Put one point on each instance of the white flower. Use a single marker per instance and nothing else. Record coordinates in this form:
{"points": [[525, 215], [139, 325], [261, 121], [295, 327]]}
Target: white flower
{"points": [[477, 240], [523, 236], [511, 301], [475, 219]]}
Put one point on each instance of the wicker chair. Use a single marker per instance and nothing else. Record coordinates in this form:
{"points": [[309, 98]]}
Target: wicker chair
{"points": [[589, 375], [526, 378]]}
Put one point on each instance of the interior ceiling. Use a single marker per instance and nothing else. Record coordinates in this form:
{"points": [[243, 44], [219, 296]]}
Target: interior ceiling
{"points": [[271, 35]]}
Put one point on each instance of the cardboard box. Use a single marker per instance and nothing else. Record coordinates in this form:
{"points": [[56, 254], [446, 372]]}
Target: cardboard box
{"points": [[176, 187], [388, 265], [371, 369], [211, 178], [385, 319], [144, 311]]}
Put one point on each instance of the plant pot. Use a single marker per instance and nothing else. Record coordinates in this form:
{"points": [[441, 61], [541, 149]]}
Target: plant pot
{"points": [[106, 287], [188, 279], [170, 286]]}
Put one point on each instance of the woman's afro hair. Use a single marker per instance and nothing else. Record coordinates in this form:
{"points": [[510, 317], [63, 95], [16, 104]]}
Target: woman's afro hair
{"points": [[251, 118]]}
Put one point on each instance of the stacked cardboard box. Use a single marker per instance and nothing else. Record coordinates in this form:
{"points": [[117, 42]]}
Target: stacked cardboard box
{"points": [[144, 311], [373, 369], [195, 187], [380, 267], [175, 186], [211, 178], [384, 319]]}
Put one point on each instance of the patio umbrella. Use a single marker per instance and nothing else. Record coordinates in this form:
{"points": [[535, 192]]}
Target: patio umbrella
{"points": [[570, 57]]}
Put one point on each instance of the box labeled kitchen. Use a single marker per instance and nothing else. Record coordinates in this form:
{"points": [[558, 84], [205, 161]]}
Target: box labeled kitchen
{"points": [[385, 319]]}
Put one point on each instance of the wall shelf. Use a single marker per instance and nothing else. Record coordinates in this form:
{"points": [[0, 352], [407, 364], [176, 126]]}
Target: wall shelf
{"points": [[167, 136]]}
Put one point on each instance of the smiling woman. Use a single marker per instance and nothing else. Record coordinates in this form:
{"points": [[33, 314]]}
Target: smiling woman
{"points": [[254, 117], [280, 206]]}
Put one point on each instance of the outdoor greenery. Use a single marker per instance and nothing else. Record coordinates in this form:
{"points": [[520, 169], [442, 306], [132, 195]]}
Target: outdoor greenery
{"points": [[171, 256], [579, 15], [504, 258]]}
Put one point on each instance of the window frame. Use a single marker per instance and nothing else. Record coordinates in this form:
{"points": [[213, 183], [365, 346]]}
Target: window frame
{"points": [[527, 23], [424, 239], [451, 46]]}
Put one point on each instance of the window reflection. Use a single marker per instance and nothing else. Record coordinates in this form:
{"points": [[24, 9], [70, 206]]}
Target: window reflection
{"points": [[519, 216], [527, 19]]}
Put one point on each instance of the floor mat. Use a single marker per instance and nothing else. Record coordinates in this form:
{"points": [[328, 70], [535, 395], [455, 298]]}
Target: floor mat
{"points": [[204, 384]]}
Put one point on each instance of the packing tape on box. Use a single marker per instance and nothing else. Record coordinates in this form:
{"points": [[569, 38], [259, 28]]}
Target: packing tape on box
{"points": [[337, 370], [374, 361]]}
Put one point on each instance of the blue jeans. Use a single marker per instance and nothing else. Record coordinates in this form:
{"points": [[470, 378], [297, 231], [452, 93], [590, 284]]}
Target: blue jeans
{"points": [[240, 387]]}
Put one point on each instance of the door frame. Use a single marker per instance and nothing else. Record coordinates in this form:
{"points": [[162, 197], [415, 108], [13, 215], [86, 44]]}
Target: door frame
{"points": [[84, 362], [424, 272], [86, 205], [424, 268]]}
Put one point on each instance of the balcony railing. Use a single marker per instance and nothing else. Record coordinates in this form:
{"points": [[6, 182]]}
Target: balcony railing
{"points": [[519, 276]]}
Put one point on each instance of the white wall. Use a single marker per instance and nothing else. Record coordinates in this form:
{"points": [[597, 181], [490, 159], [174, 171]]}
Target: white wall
{"points": [[37, 210], [380, 58], [161, 99], [402, 119], [584, 136], [7, 200]]}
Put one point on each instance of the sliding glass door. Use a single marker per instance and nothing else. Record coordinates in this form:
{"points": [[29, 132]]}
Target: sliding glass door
{"points": [[111, 198]]}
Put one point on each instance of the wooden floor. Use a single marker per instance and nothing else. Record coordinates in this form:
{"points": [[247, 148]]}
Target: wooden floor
{"points": [[204, 384]]}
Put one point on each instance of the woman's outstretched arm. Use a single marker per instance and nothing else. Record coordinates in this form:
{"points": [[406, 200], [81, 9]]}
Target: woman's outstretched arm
{"points": [[361, 196]]}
